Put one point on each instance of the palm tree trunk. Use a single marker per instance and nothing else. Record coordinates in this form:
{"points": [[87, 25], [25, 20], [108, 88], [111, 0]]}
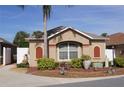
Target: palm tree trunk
{"points": [[45, 36]]}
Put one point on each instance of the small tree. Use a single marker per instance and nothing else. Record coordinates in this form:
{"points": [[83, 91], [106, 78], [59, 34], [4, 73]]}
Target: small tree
{"points": [[104, 34], [19, 39], [37, 34]]}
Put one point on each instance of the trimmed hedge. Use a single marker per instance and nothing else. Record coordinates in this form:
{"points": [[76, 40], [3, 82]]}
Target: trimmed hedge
{"points": [[46, 63], [119, 61], [22, 65]]}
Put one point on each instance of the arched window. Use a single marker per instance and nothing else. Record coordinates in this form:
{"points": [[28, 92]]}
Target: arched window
{"points": [[39, 52], [96, 51], [68, 51]]}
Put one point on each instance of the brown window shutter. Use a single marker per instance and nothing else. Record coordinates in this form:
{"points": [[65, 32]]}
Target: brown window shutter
{"points": [[39, 52], [96, 51]]}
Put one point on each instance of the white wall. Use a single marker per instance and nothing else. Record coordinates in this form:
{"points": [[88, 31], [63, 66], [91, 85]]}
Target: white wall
{"points": [[21, 53], [6, 56], [109, 54]]}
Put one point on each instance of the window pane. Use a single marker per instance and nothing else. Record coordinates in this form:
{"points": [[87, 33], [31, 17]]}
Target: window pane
{"points": [[72, 47], [73, 55], [63, 47], [63, 55]]}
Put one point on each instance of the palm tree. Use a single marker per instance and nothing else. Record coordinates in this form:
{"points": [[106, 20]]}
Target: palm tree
{"points": [[46, 15]]}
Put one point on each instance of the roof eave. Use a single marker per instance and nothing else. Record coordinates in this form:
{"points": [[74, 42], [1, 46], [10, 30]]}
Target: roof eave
{"points": [[33, 39], [101, 39], [72, 29]]}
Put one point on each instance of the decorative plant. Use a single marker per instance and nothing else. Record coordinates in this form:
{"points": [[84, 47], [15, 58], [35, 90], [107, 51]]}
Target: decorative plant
{"points": [[86, 61], [119, 61], [22, 65], [46, 63], [76, 63], [85, 57]]}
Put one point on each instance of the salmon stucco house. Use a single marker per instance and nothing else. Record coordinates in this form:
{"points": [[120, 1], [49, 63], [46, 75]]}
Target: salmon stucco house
{"points": [[65, 43]]}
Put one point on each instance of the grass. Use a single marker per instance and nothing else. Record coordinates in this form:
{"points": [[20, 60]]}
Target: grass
{"points": [[19, 70]]}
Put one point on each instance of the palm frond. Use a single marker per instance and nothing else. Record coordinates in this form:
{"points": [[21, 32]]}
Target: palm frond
{"points": [[46, 11]]}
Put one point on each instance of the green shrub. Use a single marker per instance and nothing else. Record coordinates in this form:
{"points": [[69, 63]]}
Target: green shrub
{"points": [[51, 65], [57, 64], [46, 63], [119, 61], [22, 65], [85, 57], [76, 63]]}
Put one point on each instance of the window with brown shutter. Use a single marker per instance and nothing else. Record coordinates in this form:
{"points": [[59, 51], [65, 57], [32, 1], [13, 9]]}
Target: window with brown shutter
{"points": [[39, 52], [96, 51]]}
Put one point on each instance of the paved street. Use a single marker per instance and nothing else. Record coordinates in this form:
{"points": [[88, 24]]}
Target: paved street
{"points": [[10, 78], [114, 82]]}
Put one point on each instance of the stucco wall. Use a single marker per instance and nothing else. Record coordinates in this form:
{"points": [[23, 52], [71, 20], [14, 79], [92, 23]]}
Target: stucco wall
{"points": [[86, 46], [68, 35], [53, 52], [32, 51], [86, 49], [102, 46]]}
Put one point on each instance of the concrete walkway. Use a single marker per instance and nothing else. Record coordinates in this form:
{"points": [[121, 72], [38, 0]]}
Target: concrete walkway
{"points": [[13, 79]]}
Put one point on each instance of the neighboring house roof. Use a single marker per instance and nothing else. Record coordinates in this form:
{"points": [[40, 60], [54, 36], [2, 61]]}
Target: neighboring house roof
{"points": [[115, 39], [55, 31], [6, 43]]}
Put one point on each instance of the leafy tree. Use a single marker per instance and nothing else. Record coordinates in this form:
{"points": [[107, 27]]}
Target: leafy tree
{"points": [[19, 39], [104, 34], [37, 34]]}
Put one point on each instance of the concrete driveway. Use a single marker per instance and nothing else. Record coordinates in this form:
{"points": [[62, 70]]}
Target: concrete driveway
{"points": [[9, 78]]}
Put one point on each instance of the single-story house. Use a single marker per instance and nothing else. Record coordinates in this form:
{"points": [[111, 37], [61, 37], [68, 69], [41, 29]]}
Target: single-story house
{"points": [[7, 52], [66, 43], [116, 42]]}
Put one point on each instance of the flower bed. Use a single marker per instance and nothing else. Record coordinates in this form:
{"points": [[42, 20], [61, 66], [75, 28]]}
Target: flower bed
{"points": [[78, 73]]}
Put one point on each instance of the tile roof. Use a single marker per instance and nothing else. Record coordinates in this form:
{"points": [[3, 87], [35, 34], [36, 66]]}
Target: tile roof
{"points": [[116, 39]]}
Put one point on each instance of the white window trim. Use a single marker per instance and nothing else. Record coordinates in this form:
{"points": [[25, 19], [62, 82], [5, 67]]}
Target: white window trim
{"points": [[68, 59]]}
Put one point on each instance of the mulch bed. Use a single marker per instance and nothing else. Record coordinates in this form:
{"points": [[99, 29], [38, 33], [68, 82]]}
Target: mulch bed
{"points": [[75, 73]]}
